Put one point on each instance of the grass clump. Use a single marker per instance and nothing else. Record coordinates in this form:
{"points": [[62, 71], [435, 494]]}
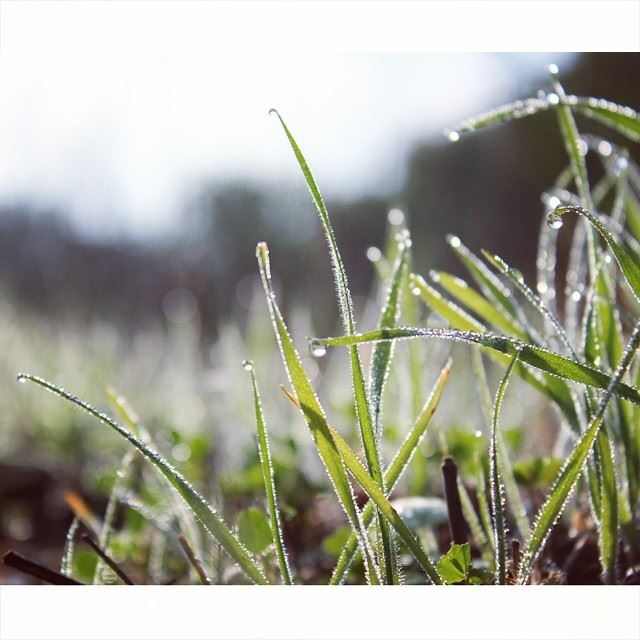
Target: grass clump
{"points": [[580, 358]]}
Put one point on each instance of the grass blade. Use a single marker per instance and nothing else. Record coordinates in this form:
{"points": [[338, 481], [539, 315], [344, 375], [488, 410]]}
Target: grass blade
{"points": [[623, 119], [367, 431], [397, 466], [269, 481], [537, 357], [196, 503], [571, 470], [498, 516]]}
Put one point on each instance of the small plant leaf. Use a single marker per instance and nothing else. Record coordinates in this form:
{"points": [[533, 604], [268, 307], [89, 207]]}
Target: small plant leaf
{"points": [[455, 565], [254, 530]]}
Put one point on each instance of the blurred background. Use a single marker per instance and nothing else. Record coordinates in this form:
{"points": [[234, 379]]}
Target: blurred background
{"points": [[133, 190]]}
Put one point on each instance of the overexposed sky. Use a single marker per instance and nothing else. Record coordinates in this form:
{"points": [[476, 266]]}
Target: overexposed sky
{"points": [[117, 139]]}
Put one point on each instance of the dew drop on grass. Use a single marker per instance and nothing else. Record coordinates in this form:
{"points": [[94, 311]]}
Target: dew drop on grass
{"points": [[395, 216], [415, 291], [453, 136], [604, 148], [554, 221], [374, 254], [247, 365], [553, 69], [552, 99], [317, 349]]}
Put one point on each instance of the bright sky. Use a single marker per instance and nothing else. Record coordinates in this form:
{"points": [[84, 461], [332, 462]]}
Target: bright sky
{"points": [[116, 140]]}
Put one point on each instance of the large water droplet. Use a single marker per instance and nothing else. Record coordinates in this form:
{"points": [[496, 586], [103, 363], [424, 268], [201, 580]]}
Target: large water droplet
{"points": [[247, 365], [22, 379], [554, 221], [317, 349], [453, 136], [395, 216], [553, 69], [374, 254], [552, 98]]}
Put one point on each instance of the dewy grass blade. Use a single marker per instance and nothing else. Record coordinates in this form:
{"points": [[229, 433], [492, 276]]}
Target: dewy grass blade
{"points": [[269, 481], [382, 353], [363, 409], [397, 466], [198, 505], [623, 119], [313, 413], [498, 516], [537, 357], [628, 265], [511, 111], [570, 472], [608, 526]]}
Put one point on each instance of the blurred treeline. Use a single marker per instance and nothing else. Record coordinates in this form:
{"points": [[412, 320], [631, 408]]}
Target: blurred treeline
{"points": [[485, 188]]}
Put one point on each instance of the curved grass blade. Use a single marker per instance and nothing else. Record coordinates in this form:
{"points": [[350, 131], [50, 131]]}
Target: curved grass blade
{"points": [[269, 481], [498, 515], [623, 119], [397, 466], [66, 566], [512, 111], [367, 431], [537, 357], [628, 265], [313, 413], [505, 467], [571, 470], [197, 504]]}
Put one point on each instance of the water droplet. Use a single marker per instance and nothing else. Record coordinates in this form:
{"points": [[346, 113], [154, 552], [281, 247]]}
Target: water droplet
{"points": [[247, 365], [604, 148], [403, 238], [374, 254], [454, 241], [542, 287], [575, 296], [553, 202], [434, 275], [181, 452], [22, 379], [553, 69], [453, 136], [552, 98], [554, 221], [395, 216], [317, 349], [583, 147], [415, 291], [478, 434], [607, 259]]}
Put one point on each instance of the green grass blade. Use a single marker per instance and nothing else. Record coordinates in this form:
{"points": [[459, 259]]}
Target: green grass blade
{"points": [[608, 526], [623, 119], [66, 565], [313, 413], [367, 431], [498, 515], [382, 353], [197, 504], [476, 303], [264, 452], [628, 265], [512, 111], [374, 492], [537, 357], [397, 466], [571, 470]]}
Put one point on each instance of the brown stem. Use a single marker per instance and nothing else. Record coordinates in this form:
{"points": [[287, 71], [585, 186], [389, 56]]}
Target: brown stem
{"points": [[18, 562], [457, 524], [197, 565], [107, 560]]}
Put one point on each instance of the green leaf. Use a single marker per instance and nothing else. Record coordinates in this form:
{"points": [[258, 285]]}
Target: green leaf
{"points": [[269, 482], [455, 565], [537, 357], [335, 542], [623, 119], [396, 467], [536, 472], [570, 472], [312, 411], [254, 530], [203, 511]]}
